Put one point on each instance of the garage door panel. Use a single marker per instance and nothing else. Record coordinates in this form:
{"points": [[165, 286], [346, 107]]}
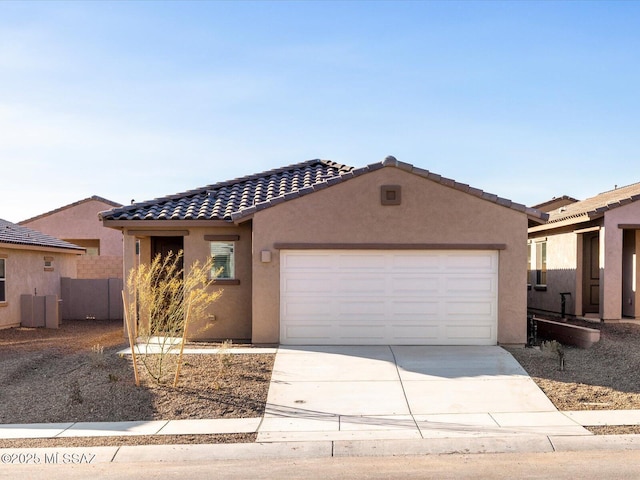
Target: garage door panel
{"points": [[304, 284], [366, 262], [347, 284], [467, 262], [307, 262], [389, 297], [475, 333], [478, 285], [416, 262], [469, 309], [308, 306], [425, 285]]}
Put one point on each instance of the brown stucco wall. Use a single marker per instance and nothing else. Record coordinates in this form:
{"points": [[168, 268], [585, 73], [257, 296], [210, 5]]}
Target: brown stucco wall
{"points": [[351, 212], [25, 275], [611, 279], [232, 311], [79, 222], [562, 256]]}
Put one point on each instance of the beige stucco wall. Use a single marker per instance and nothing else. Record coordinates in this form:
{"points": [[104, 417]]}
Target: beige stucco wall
{"points": [[350, 212], [611, 281], [25, 274], [562, 255], [80, 222], [232, 311]]}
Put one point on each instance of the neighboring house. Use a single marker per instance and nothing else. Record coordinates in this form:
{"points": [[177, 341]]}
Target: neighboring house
{"points": [[78, 223], [588, 250], [31, 263], [555, 203], [323, 253]]}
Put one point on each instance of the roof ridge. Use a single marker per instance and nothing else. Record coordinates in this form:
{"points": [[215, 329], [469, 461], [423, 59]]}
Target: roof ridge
{"points": [[73, 204], [616, 188]]}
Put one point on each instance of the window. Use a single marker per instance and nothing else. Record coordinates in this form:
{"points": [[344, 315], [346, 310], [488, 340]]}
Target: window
{"points": [[541, 263], [3, 280], [223, 260]]}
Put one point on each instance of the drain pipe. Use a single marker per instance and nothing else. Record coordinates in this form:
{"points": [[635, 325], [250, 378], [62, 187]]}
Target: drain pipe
{"points": [[563, 303]]}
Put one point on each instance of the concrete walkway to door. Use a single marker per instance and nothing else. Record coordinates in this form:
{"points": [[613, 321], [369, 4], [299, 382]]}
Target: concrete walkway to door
{"points": [[392, 392]]}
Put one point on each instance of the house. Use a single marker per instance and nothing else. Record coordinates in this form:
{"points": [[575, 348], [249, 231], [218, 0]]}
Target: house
{"points": [[31, 264], [323, 253], [587, 251], [78, 223], [555, 203]]}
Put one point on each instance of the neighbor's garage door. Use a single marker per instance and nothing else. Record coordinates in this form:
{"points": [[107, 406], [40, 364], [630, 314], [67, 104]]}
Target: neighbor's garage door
{"points": [[395, 297]]}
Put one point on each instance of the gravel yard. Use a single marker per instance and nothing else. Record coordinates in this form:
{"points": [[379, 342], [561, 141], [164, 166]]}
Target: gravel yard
{"points": [[74, 374]]}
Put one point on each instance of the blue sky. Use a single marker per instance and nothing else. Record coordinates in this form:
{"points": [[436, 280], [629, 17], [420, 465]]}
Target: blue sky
{"points": [[135, 100]]}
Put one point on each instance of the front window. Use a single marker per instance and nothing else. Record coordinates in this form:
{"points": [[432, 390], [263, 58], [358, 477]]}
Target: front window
{"points": [[223, 257], [541, 263], [3, 280]]}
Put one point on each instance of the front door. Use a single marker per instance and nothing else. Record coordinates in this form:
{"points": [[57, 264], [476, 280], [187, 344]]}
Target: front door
{"points": [[591, 273], [164, 245]]}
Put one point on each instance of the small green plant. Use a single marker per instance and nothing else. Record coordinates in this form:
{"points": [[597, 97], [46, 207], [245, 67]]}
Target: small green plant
{"points": [[555, 348], [113, 378]]}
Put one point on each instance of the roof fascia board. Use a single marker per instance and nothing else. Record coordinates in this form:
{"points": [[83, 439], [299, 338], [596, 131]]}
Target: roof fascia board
{"points": [[40, 248], [168, 224], [389, 246]]}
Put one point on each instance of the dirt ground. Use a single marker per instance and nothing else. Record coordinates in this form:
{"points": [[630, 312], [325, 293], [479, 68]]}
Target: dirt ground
{"points": [[74, 374]]}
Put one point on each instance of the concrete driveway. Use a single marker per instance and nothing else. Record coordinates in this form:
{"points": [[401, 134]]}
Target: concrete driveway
{"points": [[369, 392]]}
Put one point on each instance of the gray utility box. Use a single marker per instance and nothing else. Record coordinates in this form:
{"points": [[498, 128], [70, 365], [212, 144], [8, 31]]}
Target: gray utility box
{"points": [[39, 311]]}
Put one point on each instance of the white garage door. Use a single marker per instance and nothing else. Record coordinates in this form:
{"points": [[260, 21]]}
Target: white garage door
{"points": [[388, 297]]}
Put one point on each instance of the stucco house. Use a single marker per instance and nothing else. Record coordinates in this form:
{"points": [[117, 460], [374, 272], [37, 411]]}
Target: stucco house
{"points": [[78, 223], [31, 263], [323, 253], [588, 251]]}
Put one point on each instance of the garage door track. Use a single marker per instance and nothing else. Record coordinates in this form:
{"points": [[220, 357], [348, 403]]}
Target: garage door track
{"points": [[386, 392]]}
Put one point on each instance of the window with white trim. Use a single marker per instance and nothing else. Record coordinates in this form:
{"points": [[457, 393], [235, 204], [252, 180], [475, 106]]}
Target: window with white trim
{"points": [[3, 280], [223, 257], [541, 263]]}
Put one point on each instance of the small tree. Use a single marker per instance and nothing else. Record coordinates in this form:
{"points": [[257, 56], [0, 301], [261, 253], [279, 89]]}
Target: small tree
{"points": [[167, 299]]}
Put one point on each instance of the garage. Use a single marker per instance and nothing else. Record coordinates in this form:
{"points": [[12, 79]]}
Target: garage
{"points": [[388, 297]]}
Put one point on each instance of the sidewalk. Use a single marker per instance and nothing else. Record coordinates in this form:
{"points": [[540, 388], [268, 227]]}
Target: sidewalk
{"points": [[342, 428], [384, 440]]}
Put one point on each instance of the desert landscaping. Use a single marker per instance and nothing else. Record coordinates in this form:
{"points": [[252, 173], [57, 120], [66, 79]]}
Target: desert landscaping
{"points": [[75, 374]]}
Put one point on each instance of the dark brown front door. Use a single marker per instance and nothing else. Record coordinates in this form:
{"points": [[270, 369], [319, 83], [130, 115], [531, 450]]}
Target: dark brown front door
{"points": [[166, 245], [591, 273]]}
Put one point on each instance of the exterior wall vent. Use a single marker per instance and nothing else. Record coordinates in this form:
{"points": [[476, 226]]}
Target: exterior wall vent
{"points": [[390, 194]]}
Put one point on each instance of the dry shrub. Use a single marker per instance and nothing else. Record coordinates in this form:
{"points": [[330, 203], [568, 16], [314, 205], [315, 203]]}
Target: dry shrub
{"points": [[167, 299]]}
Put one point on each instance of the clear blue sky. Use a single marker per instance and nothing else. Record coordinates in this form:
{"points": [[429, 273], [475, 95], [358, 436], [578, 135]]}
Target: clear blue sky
{"points": [[135, 100]]}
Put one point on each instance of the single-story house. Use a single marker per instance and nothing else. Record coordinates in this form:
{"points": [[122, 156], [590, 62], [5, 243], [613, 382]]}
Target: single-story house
{"points": [[587, 251], [31, 263], [78, 223], [323, 253]]}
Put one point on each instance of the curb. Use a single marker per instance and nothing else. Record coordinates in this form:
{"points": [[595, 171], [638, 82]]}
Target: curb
{"points": [[322, 449]]}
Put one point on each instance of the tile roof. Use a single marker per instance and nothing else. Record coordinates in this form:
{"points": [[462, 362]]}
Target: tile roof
{"points": [[234, 198], [239, 198], [595, 207], [92, 198], [12, 233]]}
